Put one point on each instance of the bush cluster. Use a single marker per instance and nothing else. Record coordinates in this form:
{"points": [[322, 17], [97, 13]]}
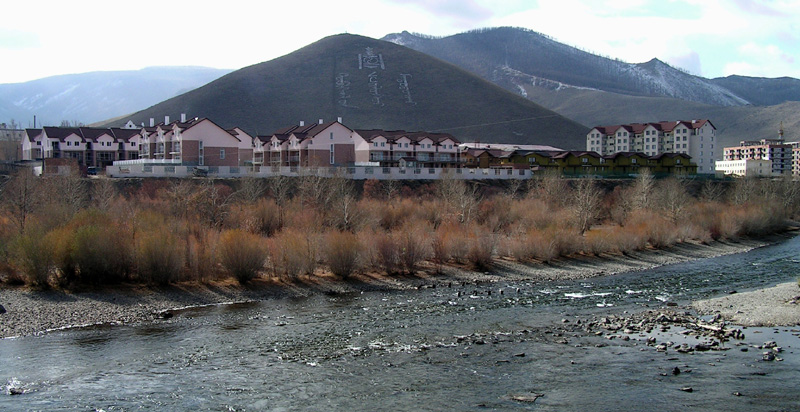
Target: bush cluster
{"points": [[170, 231]]}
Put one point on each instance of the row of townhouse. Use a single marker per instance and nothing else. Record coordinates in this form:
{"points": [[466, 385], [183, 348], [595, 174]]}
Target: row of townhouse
{"points": [[201, 142], [195, 142], [581, 163], [765, 157], [334, 144], [695, 138]]}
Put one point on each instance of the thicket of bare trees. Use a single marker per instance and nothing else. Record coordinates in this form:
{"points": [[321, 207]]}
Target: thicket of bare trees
{"points": [[66, 231]]}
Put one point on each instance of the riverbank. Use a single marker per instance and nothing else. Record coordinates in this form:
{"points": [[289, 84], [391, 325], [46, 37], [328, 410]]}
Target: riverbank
{"points": [[30, 312], [775, 306]]}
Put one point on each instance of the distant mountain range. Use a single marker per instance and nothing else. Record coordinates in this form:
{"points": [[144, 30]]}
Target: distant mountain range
{"points": [[370, 84], [96, 96], [508, 56], [595, 90]]}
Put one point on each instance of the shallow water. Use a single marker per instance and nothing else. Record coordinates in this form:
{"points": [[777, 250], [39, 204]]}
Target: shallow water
{"points": [[457, 348]]}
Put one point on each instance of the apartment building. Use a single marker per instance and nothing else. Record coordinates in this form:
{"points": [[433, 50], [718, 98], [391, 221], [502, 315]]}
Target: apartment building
{"points": [[776, 151], [695, 138]]}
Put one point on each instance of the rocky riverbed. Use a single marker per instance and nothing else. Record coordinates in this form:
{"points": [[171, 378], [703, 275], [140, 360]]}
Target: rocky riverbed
{"points": [[29, 312], [775, 306]]}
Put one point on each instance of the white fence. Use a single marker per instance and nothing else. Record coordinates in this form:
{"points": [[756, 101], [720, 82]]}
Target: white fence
{"points": [[356, 173]]}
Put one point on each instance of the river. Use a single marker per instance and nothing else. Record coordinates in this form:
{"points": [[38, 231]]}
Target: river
{"points": [[464, 347]]}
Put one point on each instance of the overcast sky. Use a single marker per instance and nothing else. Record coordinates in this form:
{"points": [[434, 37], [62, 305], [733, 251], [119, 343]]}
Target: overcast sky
{"points": [[711, 38]]}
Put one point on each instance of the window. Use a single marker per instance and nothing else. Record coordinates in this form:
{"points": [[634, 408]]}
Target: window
{"points": [[331, 135], [375, 144], [383, 144], [332, 155], [221, 154], [133, 144], [406, 145]]}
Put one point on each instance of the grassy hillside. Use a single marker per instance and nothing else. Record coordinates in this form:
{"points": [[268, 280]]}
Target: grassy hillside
{"points": [[397, 88]]}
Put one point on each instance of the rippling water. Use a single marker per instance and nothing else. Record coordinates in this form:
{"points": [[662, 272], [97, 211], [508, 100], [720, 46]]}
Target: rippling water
{"points": [[470, 347]]}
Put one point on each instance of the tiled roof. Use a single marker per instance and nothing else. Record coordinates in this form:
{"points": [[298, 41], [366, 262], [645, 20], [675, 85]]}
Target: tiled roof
{"points": [[663, 126], [415, 137], [91, 134], [61, 133], [124, 134]]}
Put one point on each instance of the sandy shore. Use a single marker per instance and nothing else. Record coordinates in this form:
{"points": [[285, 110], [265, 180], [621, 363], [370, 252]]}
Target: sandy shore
{"points": [[31, 312], [775, 306]]}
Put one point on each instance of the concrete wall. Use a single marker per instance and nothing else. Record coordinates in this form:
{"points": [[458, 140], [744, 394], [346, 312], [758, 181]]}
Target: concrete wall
{"points": [[357, 173]]}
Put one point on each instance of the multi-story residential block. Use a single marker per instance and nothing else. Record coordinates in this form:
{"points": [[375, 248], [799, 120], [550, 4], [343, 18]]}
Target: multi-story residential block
{"points": [[776, 151], [397, 148], [695, 138], [196, 142], [314, 145]]}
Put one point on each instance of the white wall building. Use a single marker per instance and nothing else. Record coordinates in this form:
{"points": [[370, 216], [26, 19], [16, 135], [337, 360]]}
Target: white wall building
{"points": [[697, 138], [746, 167]]}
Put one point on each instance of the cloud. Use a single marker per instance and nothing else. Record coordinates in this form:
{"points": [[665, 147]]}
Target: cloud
{"points": [[689, 61], [463, 15], [761, 60], [758, 7], [16, 39]]}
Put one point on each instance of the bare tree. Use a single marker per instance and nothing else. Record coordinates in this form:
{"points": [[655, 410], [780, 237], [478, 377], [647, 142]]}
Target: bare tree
{"points": [[182, 195], [70, 191], [313, 190], [341, 202], [745, 190], [103, 193], [549, 186], [390, 188], [212, 203], [672, 198], [251, 189], [461, 198], [513, 188], [586, 202], [280, 188], [712, 191], [642, 190], [22, 195]]}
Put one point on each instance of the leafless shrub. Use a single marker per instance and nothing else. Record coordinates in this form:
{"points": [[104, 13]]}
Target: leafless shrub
{"points": [[413, 248], [242, 254], [159, 256], [342, 253]]}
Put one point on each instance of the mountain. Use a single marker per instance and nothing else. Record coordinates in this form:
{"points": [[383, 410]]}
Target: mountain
{"points": [[95, 96], [595, 90], [370, 84], [511, 57], [762, 91]]}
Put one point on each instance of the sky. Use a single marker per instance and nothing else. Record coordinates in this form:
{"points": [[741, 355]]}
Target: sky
{"points": [[710, 38]]}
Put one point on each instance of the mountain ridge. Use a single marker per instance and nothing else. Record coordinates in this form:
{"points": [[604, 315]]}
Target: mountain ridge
{"points": [[370, 84], [99, 95], [484, 51]]}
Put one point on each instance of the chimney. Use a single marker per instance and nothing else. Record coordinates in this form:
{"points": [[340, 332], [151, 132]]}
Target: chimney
{"points": [[302, 123], [320, 121], [166, 119], [152, 122], [339, 119], [183, 117]]}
